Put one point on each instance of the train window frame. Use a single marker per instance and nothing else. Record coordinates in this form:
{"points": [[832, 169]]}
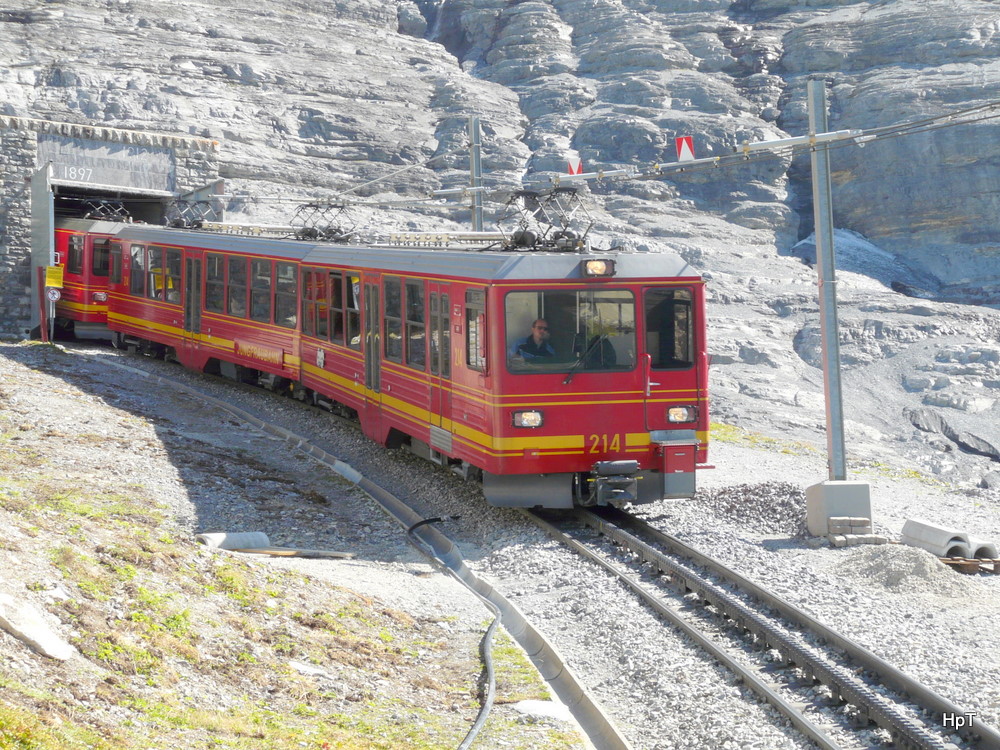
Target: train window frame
{"points": [[681, 314], [137, 270], [115, 263], [236, 292], [285, 303], [100, 261], [315, 303], [172, 275], [416, 324], [337, 318], [154, 272], [602, 345], [476, 328], [74, 254], [261, 279], [445, 347], [352, 309], [215, 282], [392, 318]]}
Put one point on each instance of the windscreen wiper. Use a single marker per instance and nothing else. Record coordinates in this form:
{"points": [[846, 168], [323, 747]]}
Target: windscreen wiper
{"points": [[583, 358]]}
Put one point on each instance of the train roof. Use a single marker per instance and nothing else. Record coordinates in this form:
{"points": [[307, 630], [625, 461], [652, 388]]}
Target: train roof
{"points": [[476, 263]]}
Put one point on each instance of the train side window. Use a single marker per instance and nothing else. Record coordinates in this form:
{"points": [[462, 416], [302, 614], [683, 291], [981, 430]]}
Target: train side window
{"points": [[475, 329], [337, 307], [215, 283], [416, 339], [101, 260], [115, 263], [352, 289], [137, 281], [260, 290], [315, 303], [669, 328], [74, 263], [445, 337], [236, 272], [434, 306], [392, 335], [154, 274], [173, 279], [286, 295]]}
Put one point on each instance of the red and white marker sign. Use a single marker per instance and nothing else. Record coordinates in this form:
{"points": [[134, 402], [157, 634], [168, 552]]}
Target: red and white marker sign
{"points": [[575, 166], [685, 148]]}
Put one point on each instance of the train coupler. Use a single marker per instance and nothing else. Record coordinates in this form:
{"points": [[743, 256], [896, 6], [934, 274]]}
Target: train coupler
{"points": [[615, 482]]}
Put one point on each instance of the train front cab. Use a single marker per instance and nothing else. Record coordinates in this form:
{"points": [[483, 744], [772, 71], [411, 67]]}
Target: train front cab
{"points": [[82, 312], [617, 411]]}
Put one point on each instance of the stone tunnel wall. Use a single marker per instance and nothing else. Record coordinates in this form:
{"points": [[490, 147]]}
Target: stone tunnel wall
{"points": [[195, 164]]}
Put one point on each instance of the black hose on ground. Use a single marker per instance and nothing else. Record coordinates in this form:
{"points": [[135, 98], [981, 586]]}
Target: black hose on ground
{"points": [[485, 645]]}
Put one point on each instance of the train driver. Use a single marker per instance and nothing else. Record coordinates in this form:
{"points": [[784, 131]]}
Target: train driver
{"points": [[535, 345]]}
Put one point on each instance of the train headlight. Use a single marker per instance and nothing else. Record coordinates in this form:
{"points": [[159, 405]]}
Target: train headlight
{"points": [[100, 296], [599, 267], [682, 414], [528, 419]]}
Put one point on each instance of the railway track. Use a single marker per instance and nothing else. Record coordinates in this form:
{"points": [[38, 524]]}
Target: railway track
{"points": [[741, 625], [904, 724]]}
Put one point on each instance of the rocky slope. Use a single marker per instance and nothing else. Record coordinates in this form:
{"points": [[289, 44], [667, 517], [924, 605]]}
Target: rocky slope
{"points": [[312, 98]]}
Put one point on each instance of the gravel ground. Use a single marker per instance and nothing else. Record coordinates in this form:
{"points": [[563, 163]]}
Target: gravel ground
{"points": [[899, 602], [76, 433]]}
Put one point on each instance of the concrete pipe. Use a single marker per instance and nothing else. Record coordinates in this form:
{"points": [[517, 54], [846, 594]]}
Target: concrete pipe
{"points": [[982, 550], [235, 540], [938, 540]]}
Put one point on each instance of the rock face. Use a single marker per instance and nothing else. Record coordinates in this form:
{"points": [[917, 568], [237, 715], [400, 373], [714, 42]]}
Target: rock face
{"points": [[311, 99]]}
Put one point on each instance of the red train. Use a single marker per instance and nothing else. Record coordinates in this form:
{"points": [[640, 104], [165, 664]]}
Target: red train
{"points": [[563, 377]]}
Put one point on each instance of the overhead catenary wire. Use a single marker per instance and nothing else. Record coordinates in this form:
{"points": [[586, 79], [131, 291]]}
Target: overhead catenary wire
{"points": [[498, 195]]}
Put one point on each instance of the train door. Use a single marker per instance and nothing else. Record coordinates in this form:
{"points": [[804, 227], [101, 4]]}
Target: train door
{"points": [[371, 422], [440, 370], [192, 304], [671, 379]]}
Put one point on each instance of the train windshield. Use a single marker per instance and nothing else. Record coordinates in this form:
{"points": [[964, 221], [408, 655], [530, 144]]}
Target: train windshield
{"points": [[580, 330]]}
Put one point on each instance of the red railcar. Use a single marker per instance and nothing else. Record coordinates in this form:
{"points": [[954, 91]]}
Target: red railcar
{"points": [[82, 249], [563, 377]]}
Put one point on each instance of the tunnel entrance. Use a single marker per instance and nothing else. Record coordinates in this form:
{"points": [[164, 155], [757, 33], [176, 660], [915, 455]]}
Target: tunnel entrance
{"points": [[50, 170]]}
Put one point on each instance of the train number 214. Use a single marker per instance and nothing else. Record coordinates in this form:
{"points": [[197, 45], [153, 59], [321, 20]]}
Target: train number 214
{"points": [[604, 443]]}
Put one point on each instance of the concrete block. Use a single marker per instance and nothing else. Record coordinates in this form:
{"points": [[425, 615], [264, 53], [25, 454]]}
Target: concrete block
{"points": [[838, 540], [939, 540], [836, 499]]}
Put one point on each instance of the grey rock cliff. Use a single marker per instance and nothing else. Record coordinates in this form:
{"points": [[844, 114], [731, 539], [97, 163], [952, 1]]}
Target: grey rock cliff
{"points": [[310, 99]]}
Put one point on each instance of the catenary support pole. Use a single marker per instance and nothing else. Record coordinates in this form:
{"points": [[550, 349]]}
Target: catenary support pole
{"points": [[825, 263], [476, 173]]}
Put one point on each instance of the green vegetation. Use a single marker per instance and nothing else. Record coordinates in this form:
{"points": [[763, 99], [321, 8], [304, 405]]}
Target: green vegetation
{"points": [[724, 433], [197, 648]]}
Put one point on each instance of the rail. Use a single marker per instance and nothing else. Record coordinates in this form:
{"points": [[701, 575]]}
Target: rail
{"points": [[905, 729]]}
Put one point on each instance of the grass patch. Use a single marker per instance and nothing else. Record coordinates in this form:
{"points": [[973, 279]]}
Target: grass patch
{"points": [[25, 730], [517, 679], [725, 433]]}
